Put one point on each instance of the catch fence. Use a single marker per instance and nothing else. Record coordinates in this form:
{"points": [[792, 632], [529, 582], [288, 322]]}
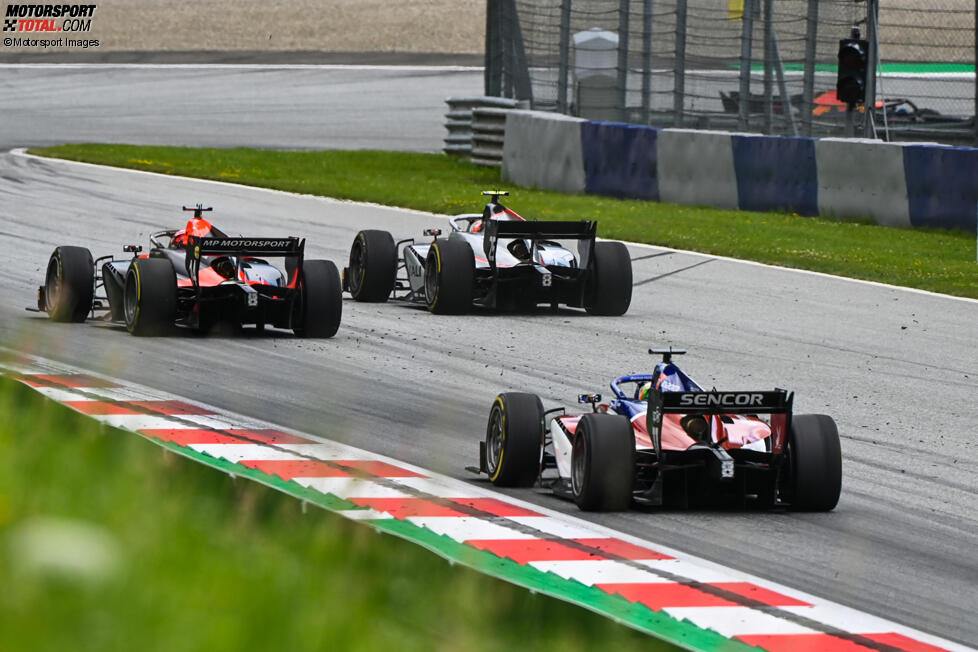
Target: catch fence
{"points": [[766, 66]]}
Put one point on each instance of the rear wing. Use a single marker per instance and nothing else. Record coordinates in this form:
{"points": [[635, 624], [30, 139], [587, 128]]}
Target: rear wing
{"points": [[493, 230], [245, 246], [290, 248], [777, 403]]}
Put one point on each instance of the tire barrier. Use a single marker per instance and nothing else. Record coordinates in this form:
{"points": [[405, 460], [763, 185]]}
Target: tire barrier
{"points": [[903, 185], [488, 134], [458, 121]]}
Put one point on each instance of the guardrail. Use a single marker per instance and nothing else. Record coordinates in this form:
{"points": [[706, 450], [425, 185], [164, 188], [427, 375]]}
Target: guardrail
{"points": [[895, 184]]}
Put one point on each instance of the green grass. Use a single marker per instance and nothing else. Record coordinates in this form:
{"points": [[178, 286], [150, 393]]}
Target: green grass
{"points": [[929, 259], [109, 542]]}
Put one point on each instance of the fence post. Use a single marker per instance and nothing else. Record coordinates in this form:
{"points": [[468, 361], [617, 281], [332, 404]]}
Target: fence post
{"points": [[872, 63], [808, 91], [647, 61], [768, 71], [493, 74], [563, 66], [679, 79], [514, 39], [746, 42], [622, 58]]}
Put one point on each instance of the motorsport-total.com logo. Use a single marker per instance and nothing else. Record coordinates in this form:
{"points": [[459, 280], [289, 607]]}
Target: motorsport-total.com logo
{"points": [[44, 20], [48, 18]]}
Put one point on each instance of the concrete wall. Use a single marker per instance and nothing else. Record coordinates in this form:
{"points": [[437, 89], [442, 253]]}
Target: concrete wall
{"points": [[893, 184]]}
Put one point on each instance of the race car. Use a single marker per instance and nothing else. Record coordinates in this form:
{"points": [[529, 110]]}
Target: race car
{"points": [[666, 442], [195, 277], [495, 259]]}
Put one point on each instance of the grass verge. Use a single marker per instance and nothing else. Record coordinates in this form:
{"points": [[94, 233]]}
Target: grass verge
{"points": [[108, 542], [928, 259]]}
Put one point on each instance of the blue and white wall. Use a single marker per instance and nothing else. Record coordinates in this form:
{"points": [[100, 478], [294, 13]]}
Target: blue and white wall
{"points": [[894, 184]]}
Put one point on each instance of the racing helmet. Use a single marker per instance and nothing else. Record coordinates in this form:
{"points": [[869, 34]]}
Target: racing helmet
{"points": [[643, 391], [197, 227]]}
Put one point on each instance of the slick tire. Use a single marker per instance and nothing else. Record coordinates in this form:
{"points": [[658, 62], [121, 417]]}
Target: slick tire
{"points": [[150, 297], [514, 440], [609, 288], [812, 475], [603, 463], [449, 277], [69, 285], [373, 266], [320, 304]]}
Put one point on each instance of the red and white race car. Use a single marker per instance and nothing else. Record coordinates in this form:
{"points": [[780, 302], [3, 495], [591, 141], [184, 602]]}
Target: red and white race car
{"points": [[666, 442]]}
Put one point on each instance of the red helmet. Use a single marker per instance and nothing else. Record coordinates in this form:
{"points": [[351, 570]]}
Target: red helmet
{"points": [[197, 227]]}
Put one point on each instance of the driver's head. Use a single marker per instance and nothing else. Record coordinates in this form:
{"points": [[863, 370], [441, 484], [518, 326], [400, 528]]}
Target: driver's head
{"points": [[198, 227], [643, 391]]}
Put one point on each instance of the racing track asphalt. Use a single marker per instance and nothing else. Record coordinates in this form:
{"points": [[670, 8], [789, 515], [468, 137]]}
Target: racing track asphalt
{"points": [[896, 369]]}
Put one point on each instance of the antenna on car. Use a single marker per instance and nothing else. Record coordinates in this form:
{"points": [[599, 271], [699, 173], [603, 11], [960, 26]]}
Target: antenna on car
{"points": [[667, 353], [494, 195], [198, 209]]}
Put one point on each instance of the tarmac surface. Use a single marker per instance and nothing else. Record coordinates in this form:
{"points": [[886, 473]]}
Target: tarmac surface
{"points": [[895, 368]]}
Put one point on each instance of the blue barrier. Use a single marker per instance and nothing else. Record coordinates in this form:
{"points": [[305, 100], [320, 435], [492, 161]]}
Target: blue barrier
{"points": [[942, 185], [620, 160], [776, 174], [896, 185]]}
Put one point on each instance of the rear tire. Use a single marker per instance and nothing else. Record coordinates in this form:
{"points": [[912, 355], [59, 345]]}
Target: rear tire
{"points": [[69, 285], [320, 300], [449, 277], [812, 474], [609, 288], [603, 463], [150, 297], [373, 266], [514, 440]]}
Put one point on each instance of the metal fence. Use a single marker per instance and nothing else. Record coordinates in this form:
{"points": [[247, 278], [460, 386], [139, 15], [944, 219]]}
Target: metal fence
{"points": [[765, 66]]}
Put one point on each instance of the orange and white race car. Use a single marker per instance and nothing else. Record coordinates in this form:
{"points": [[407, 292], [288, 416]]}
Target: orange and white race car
{"points": [[195, 277]]}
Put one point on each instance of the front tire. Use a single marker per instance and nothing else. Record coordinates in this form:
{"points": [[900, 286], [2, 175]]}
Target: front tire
{"points": [[812, 473], [609, 288], [603, 463], [514, 440], [320, 300], [69, 285], [449, 277], [373, 266], [150, 297]]}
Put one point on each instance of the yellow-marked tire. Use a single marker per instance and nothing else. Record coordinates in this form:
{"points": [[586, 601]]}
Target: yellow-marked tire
{"points": [[449, 277], [150, 297], [514, 440], [69, 284], [373, 266]]}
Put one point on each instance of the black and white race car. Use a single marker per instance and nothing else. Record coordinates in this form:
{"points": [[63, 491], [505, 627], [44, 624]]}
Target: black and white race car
{"points": [[495, 259]]}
